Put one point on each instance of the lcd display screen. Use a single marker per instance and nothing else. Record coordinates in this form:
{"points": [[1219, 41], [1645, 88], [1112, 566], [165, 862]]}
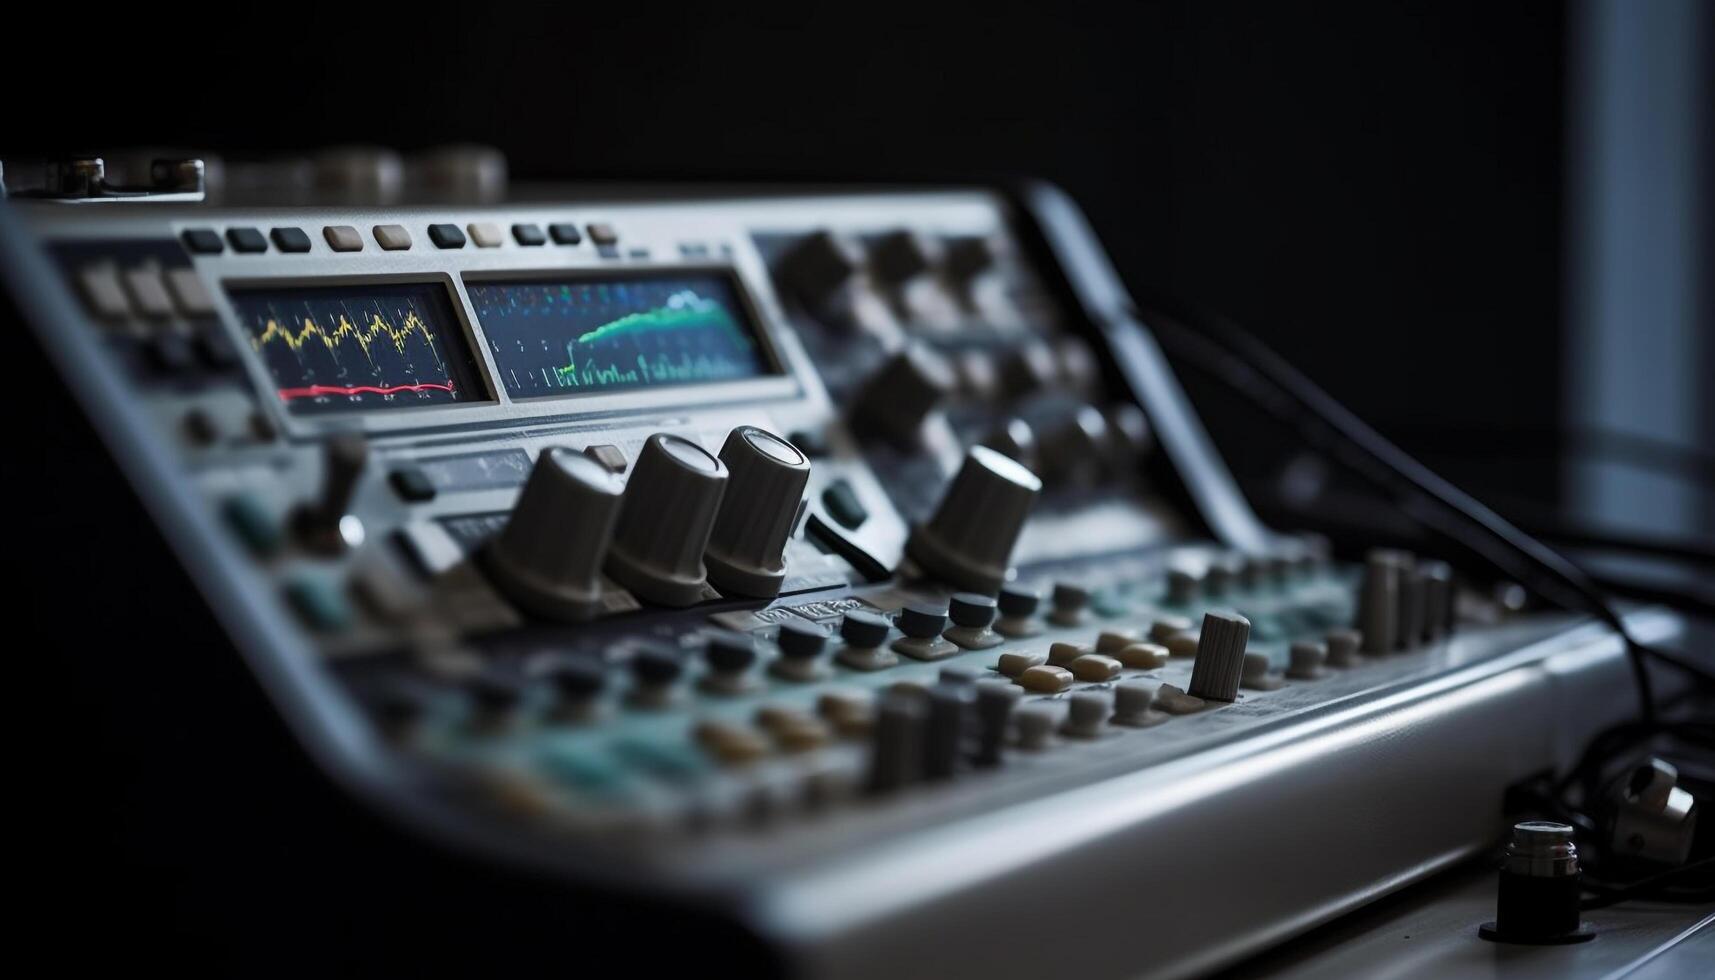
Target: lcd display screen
{"points": [[359, 348], [573, 336]]}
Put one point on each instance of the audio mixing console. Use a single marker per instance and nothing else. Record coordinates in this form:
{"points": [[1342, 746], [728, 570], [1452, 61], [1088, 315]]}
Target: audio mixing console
{"points": [[848, 563]]}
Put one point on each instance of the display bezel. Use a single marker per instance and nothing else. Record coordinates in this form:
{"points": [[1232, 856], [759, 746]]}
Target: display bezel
{"points": [[755, 323], [460, 328], [500, 409]]}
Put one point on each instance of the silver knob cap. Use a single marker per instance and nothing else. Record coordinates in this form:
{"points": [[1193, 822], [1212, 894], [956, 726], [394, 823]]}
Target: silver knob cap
{"points": [[548, 558], [664, 523], [767, 476], [968, 542]]}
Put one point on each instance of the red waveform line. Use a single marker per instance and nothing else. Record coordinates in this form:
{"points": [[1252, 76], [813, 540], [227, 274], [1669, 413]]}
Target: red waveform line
{"points": [[287, 394]]}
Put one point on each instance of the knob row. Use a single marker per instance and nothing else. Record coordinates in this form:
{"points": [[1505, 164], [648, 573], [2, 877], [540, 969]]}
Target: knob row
{"points": [[685, 520]]}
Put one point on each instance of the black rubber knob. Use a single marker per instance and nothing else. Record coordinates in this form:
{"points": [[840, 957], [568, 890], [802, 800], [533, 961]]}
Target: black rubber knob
{"points": [[863, 629], [577, 678], [1017, 600], [730, 652], [922, 621], [801, 640], [970, 609], [657, 663]]}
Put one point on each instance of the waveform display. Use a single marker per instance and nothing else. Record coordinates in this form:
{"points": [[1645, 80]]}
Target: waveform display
{"points": [[552, 338], [347, 348]]}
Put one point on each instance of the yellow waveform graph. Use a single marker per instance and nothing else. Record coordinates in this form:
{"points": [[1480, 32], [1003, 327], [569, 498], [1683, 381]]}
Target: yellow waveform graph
{"points": [[344, 331]]}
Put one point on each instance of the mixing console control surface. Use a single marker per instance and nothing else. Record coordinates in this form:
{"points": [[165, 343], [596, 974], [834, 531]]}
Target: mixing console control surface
{"points": [[631, 525]]}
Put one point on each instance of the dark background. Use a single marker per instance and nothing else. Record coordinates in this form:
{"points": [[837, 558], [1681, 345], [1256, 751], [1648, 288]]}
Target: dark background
{"points": [[1375, 188]]}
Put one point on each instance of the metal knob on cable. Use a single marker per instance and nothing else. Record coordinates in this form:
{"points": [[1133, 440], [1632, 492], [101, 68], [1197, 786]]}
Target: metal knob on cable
{"points": [[548, 558], [766, 477], [665, 521], [968, 541]]}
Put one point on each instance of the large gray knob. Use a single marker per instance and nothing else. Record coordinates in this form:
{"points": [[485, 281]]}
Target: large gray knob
{"points": [[767, 476], [895, 400], [968, 542], [1378, 600], [1220, 659], [664, 523], [548, 559]]}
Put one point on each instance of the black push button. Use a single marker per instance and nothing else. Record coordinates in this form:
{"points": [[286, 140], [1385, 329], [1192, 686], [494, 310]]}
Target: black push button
{"points": [[656, 664], [412, 484], [203, 241], [843, 505], [246, 240], [730, 652], [290, 239], [921, 620], [863, 629], [214, 346], [565, 233], [801, 639], [577, 678], [528, 235], [446, 236]]}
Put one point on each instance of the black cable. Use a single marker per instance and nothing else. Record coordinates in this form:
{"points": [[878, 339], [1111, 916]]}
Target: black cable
{"points": [[1643, 888], [1351, 430]]}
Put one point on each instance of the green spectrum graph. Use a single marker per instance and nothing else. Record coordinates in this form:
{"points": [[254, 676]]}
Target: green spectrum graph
{"points": [[559, 338]]}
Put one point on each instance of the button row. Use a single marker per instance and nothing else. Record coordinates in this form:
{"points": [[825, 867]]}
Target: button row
{"points": [[392, 238]]}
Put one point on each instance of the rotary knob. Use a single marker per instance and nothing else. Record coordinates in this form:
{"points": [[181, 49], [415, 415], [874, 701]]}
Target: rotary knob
{"points": [[1220, 662], [900, 256], [747, 550], [896, 400], [664, 523], [968, 542], [548, 559], [818, 265]]}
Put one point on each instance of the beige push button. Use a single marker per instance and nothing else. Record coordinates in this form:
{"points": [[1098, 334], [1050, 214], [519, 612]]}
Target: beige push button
{"points": [[102, 291], [1062, 654], [148, 292], [343, 238], [189, 294], [730, 743], [393, 238], [1113, 641], [1015, 664], [1175, 701], [485, 234], [1143, 656], [1046, 679], [1095, 667]]}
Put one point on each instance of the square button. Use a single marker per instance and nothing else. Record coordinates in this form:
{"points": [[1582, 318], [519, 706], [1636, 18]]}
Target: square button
{"points": [[203, 241], [446, 236], [102, 291], [603, 234], [189, 294], [343, 238], [565, 233], [148, 292], [246, 240], [393, 238], [485, 234], [528, 235], [290, 239], [611, 457], [412, 484]]}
